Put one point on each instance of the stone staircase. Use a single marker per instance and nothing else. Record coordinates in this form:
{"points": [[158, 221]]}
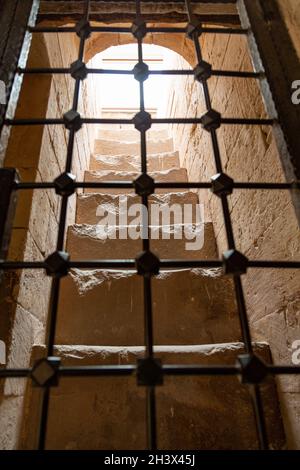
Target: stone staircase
{"points": [[100, 321]]}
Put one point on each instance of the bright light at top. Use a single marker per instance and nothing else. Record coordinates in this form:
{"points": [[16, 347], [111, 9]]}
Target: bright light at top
{"points": [[122, 91]]}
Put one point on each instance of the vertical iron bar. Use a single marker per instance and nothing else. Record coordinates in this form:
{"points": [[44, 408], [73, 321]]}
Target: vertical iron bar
{"points": [[55, 287], [148, 314], [255, 391]]}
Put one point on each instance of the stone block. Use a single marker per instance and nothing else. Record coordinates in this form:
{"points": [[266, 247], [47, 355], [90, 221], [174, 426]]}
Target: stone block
{"points": [[158, 162], [119, 242], [131, 135], [88, 204], [113, 147], [106, 307], [173, 175]]}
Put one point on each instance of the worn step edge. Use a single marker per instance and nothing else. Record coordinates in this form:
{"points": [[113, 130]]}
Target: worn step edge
{"points": [[78, 352], [88, 204], [165, 160], [130, 135]]}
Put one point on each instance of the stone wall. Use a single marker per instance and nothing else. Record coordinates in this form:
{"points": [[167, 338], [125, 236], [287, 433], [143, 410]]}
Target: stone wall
{"points": [[264, 222], [291, 12], [39, 154]]}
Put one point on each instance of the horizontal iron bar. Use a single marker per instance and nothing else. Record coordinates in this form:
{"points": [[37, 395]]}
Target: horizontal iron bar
{"points": [[167, 369], [15, 373], [283, 369], [274, 264], [98, 370], [126, 30], [56, 121], [219, 263], [236, 185], [93, 71], [160, 185], [231, 121], [164, 264], [200, 370]]}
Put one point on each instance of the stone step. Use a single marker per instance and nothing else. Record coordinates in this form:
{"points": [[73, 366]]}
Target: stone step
{"points": [[158, 162], [173, 175], [113, 147], [89, 204], [126, 127], [205, 413], [131, 135], [110, 241], [190, 306]]}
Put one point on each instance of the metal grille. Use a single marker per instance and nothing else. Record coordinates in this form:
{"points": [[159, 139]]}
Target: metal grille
{"points": [[149, 371]]}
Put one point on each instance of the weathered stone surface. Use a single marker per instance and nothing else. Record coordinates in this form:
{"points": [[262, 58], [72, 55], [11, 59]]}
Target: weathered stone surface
{"points": [[264, 223], [131, 135], [291, 13], [175, 175], [161, 161], [113, 147], [102, 307], [105, 242], [10, 422], [126, 11], [192, 412], [89, 203]]}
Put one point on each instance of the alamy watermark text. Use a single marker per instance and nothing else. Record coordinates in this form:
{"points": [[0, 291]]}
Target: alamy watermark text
{"points": [[296, 92]]}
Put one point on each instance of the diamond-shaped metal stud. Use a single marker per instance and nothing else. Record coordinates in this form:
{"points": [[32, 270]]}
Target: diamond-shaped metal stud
{"points": [[57, 264], [72, 120], [221, 184], [147, 264], [142, 121], [78, 70], [234, 262], [83, 29], [144, 185], [211, 120], [141, 71], [194, 29], [203, 71], [149, 372], [253, 369], [64, 184], [139, 28], [44, 372]]}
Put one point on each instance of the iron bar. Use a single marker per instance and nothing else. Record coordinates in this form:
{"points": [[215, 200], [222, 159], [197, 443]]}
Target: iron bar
{"points": [[164, 264], [104, 71], [126, 30], [147, 284], [167, 369], [56, 121], [56, 284], [239, 185]]}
